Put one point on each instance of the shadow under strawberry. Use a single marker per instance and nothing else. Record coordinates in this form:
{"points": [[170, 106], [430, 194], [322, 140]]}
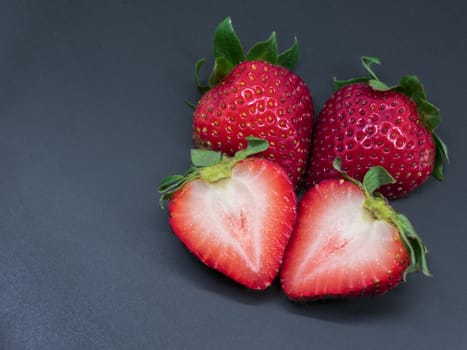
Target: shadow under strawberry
{"points": [[205, 278], [396, 304]]}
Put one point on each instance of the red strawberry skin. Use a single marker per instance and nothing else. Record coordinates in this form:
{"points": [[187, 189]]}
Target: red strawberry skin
{"points": [[368, 128], [338, 249], [263, 100], [239, 226]]}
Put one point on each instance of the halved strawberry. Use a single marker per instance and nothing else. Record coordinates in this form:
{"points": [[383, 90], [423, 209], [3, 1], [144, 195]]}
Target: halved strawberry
{"points": [[348, 241], [235, 214]]}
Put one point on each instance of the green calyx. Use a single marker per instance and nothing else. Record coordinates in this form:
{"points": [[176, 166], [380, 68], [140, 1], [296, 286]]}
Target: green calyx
{"points": [[380, 209], [209, 166], [410, 86], [228, 53]]}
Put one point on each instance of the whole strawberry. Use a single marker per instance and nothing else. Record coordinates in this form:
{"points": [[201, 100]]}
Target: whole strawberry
{"points": [[367, 123], [255, 94], [348, 241]]}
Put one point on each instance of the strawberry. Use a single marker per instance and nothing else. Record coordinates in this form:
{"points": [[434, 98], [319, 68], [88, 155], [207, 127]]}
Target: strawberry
{"points": [[235, 214], [348, 241], [255, 94], [367, 123]]}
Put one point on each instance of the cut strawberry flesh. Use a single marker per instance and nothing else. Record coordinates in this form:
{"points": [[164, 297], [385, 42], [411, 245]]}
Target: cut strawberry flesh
{"points": [[338, 248], [241, 225]]}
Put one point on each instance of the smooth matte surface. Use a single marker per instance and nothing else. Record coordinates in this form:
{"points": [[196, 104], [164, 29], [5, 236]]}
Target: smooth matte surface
{"points": [[92, 118]]}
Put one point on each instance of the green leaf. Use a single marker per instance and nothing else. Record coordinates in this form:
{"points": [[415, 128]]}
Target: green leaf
{"points": [[411, 86], [255, 145], [376, 177], [378, 85], [171, 184], [289, 58], [338, 84], [222, 68], [190, 104], [429, 113], [441, 146], [372, 80], [228, 53], [438, 167], [413, 243], [227, 44], [201, 87], [337, 164], [367, 61], [205, 157], [264, 50], [169, 181], [441, 153]]}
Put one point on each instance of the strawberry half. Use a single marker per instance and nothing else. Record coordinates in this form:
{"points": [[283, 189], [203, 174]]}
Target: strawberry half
{"points": [[367, 123], [349, 242], [235, 214], [255, 94]]}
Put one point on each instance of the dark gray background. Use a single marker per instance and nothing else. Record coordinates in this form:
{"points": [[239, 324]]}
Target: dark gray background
{"points": [[92, 118]]}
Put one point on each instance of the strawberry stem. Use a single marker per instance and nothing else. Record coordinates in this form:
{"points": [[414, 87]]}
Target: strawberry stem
{"points": [[220, 166], [367, 61], [228, 53], [381, 210], [209, 166], [217, 172], [379, 207]]}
